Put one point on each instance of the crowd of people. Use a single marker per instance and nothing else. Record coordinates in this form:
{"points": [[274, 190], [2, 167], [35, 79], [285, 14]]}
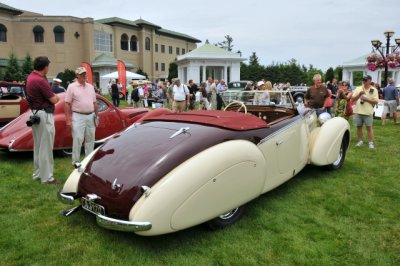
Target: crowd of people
{"points": [[339, 100], [180, 97]]}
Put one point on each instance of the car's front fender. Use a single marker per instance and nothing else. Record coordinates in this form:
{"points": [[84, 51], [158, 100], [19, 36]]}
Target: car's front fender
{"points": [[210, 183], [325, 141]]}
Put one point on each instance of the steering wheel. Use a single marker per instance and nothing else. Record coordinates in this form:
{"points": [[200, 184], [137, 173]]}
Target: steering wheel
{"points": [[242, 105]]}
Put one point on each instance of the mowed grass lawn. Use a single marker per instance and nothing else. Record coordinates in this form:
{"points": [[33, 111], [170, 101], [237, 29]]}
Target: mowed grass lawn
{"points": [[320, 217]]}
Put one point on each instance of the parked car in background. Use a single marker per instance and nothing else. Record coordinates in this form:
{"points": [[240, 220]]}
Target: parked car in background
{"points": [[17, 136], [298, 92], [12, 101], [173, 171], [237, 85]]}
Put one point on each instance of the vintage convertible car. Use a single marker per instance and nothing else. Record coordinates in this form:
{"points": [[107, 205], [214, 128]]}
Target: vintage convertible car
{"points": [[173, 171], [17, 136], [12, 101]]}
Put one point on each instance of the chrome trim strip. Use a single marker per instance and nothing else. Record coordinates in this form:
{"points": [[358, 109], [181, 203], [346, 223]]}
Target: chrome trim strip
{"points": [[122, 225]]}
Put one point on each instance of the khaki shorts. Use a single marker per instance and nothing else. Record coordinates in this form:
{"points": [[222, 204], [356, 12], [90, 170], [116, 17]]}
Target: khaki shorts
{"points": [[390, 106], [360, 120], [179, 106]]}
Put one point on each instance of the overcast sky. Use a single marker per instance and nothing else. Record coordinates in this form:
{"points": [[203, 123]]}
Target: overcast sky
{"points": [[323, 33]]}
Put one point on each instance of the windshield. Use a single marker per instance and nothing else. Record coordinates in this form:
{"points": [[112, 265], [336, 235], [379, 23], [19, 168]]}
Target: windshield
{"points": [[263, 97]]}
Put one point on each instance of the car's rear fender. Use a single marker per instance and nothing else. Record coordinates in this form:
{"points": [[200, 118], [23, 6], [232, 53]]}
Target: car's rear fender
{"points": [[71, 184], [210, 183], [325, 141]]}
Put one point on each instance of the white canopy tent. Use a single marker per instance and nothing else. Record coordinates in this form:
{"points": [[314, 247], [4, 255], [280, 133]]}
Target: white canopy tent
{"points": [[129, 75]]}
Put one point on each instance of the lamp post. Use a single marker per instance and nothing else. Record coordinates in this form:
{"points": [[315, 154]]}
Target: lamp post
{"points": [[377, 44]]}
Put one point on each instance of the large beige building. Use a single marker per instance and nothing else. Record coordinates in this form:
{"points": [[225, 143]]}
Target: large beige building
{"points": [[68, 41]]}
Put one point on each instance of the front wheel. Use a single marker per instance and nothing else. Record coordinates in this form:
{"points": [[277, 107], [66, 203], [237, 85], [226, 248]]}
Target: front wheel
{"points": [[226, 219]]}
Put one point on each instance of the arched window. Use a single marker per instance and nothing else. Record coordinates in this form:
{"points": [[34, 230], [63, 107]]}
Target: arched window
{"points": [[124, 42], [133, 44], [147, 44], [59, 34], [3, 33], [38, 32]]}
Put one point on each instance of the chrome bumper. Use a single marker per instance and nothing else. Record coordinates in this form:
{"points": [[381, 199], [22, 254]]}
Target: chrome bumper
{"points": [[66, 198], [104, 221], [122, 225]]}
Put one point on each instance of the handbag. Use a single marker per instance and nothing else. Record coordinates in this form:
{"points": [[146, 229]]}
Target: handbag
{"points": [[349, 109]]}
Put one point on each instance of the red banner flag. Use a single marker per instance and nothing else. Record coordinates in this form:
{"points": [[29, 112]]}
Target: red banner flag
{"points": [[89, 73], [122, 75]]}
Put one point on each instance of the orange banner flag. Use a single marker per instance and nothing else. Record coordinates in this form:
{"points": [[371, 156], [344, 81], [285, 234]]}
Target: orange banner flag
{"points": [[122, 75], [89, 73]]}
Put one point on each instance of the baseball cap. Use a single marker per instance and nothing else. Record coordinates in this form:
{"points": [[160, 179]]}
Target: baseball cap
{"points": [[80, 70], [367, 77]]}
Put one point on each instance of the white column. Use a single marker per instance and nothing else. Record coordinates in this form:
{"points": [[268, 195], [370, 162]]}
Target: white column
{"points": [[351, 78], [225, 73]]}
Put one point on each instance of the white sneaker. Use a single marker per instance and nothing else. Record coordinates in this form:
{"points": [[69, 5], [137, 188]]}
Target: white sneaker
{"points": [[359, 143], [371, 145]]}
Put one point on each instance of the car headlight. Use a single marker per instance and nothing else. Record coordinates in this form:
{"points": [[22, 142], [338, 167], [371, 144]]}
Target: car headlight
{"points": [[323, 117]]}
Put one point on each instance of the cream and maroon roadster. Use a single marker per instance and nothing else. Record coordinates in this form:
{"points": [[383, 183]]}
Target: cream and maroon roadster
{"points": [[174, 171]]}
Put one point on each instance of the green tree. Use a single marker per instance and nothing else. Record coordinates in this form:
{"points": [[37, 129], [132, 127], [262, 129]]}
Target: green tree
{"points": [[329, 75], [339, 73], [141, 72], [27, 66], [67, 77], [172, 71], [253, 60], [13, 70], [227, 43]]}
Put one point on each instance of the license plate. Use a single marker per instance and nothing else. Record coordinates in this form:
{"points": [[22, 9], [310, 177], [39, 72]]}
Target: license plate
{"points": [[92, 207]]}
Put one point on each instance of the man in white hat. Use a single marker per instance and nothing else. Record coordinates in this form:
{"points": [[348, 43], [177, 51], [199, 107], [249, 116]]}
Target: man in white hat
{"points": [[56, 86], [81, 114]]}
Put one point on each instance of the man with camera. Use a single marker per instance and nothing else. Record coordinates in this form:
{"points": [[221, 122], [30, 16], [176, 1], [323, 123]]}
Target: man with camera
{"points": [[41, 101], [365, 96]]}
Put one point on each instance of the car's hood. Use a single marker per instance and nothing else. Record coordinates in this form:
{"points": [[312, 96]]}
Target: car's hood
{"points": [[142, 155]]}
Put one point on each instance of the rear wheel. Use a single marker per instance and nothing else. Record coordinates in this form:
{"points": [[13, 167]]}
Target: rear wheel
{"points": [[340, 159], [226, 219]]}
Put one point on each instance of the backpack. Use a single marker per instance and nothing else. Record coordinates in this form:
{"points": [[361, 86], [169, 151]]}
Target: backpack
{"points": [[135, 95]]}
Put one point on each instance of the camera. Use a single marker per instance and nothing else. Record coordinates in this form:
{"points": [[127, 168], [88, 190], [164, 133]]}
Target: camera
{"points": [[33, 119]]}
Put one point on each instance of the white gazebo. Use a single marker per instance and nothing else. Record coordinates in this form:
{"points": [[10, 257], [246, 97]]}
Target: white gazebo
{"points": [[360, 64], [209, 60]]}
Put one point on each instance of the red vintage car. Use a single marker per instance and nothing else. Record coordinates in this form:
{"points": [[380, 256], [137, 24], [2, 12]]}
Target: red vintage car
{"points": [[12, 101], [17, 136]]}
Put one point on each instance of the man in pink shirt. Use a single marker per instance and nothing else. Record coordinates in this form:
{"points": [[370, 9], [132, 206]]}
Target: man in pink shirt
{"points": [[81, 113]]}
